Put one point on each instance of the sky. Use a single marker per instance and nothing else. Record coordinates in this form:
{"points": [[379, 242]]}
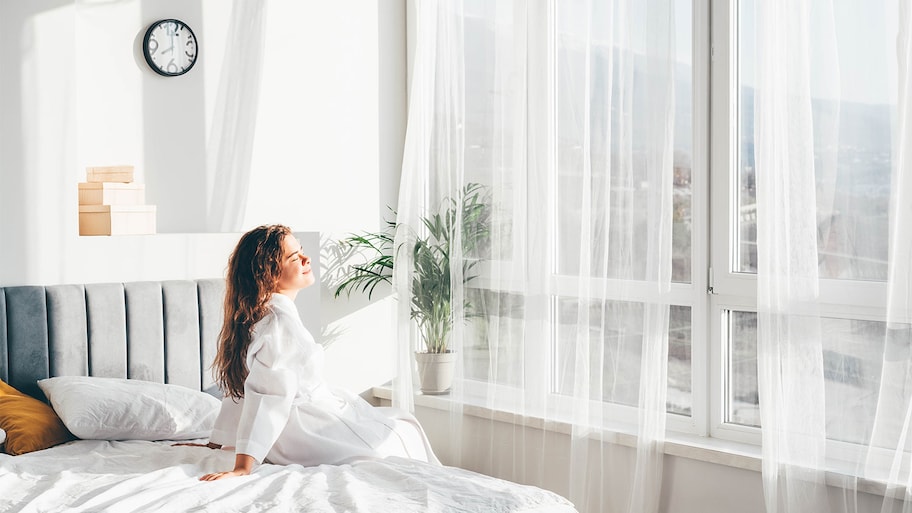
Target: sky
{"points": [[865, 35]]}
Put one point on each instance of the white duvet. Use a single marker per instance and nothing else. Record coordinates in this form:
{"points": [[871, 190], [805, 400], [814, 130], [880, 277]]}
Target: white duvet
{"points": [[138, 476]]}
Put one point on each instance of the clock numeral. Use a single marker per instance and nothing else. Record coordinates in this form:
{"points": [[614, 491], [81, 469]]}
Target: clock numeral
{"points": [[172, 67], [171, 28], [153, 45]]}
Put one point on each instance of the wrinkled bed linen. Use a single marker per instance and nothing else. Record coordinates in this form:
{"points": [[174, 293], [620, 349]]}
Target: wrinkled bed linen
{"points": [[139, 476]]}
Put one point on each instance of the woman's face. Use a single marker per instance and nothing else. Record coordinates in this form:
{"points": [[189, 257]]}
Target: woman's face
{"points": [[295, 268]]}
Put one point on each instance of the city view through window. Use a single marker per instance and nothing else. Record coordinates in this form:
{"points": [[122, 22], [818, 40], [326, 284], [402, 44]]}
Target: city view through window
{"points": [[851, 115]]}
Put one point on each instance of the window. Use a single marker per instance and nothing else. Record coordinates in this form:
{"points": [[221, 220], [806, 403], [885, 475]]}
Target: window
{"points": [[497, 80], [852, 152], [616, 326], [712, 357], [619, 326], [852, 359], [495, 91], [852, 127]]}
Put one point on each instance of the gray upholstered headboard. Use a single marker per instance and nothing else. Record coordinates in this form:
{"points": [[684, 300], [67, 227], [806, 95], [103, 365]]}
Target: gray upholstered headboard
{"points": [[156, 331]]}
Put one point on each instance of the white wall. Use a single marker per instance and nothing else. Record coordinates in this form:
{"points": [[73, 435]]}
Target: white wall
{"points": [[541, 458], [75, 91], [78, 93]]}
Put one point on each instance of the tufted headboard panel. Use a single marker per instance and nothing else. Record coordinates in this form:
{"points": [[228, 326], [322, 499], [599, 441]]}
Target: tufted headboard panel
{"points": [[155, 331]]}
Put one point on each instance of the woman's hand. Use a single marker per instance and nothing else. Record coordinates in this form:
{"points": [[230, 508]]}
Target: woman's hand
{"points": [[243, 465], [221, 475]]}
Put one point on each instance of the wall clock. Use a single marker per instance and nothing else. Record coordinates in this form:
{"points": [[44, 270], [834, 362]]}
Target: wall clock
{"points": [[170, 47]]}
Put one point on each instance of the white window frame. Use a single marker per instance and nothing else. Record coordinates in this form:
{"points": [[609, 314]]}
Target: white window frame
{"points": [[730, 290], [542, 105], [714, 287]]}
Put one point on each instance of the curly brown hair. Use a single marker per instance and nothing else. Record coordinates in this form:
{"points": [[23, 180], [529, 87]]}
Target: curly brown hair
{"points": [[253, 271]]}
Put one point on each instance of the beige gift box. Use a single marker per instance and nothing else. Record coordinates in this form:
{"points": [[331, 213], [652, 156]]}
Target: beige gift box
{"points": [[109, 193], [116, 219], [122, 174]]}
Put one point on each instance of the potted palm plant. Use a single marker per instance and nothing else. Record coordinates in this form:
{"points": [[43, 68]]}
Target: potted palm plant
{"points": [[431, 294]]}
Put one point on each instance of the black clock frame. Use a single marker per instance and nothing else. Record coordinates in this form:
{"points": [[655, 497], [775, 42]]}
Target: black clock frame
{"points": [[145, 47]]}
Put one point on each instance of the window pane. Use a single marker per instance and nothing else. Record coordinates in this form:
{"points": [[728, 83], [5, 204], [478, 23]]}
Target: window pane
{"points": [[851, 125], [682, 231], [491, 90], [853, 355], [615, 339], [680, 373], [742, 401], [494, 351], [609, 215]]}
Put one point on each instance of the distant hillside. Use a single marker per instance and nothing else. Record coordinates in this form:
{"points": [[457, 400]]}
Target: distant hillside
{"points": [[862, 126]]}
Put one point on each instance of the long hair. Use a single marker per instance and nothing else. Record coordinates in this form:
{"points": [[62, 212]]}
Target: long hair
{"points": [[253, 271]]}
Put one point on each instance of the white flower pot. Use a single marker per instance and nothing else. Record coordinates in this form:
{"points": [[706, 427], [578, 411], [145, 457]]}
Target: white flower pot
{"points": [[436, 371]]}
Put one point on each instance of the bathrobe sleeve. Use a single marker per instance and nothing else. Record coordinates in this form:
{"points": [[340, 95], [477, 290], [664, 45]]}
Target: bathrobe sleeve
{"points": [[224, 430], [269, 389]]}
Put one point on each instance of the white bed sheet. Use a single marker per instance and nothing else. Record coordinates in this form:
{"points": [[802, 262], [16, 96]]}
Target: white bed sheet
{"points": [[139, 476]]}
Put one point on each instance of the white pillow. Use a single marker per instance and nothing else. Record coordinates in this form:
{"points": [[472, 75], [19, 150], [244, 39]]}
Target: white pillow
{"points": [[94, 408], [2, 439]]}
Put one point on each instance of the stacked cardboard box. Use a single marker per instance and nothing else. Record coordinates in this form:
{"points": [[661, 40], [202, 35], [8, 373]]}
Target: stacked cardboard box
{"points": [[110, 203]]}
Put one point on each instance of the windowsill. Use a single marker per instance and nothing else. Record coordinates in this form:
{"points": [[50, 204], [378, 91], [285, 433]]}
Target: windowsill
{"points": [[699, 448], [711, 450]]}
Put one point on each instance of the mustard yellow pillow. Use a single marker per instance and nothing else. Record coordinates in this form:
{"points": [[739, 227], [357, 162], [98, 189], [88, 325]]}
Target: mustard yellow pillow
{"points": [[30, 424], [8, 390]]}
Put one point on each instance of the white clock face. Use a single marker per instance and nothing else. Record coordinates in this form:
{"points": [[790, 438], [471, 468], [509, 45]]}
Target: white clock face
{"points": [[170, 47]]}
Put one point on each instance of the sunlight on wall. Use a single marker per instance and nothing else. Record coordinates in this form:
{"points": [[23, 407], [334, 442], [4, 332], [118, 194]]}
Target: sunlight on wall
{"points": [[215, 25], [109, 89], [317, 142], [46, 96], [148, 257], [361, 351]]}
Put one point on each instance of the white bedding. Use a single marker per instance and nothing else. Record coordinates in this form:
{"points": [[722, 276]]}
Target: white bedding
{"points": [[139, 476]]}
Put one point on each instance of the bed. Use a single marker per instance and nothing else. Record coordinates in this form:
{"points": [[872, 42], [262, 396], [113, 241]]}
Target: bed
{"points": [[124, 366]]}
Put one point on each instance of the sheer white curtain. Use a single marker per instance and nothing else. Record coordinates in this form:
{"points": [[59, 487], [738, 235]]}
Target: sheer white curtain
{"points": [[229, 148], [790, 357], [565, 113], [834, 381], [888, 457]]}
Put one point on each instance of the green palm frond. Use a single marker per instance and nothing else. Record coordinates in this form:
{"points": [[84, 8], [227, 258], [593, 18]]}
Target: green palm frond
{"points": [[431, 308]]}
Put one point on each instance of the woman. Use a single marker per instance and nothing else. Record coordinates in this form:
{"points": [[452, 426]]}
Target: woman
{"points": [[277, 407]]}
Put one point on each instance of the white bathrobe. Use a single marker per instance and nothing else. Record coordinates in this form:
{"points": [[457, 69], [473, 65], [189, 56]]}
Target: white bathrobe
{"points": [[289, 415]]}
